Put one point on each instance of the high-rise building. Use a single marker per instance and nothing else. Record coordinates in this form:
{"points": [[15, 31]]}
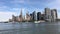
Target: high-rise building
{"points": [[13, 18], [39, 16], [10, 20], [48, 16], [31, 16], [54, 14], [27, 16], [20, 13], [42, 16], [34, 16], [20, 16]]}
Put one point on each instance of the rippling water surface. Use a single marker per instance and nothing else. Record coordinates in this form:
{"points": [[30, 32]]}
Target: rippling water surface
{"points": [[30, 28]]}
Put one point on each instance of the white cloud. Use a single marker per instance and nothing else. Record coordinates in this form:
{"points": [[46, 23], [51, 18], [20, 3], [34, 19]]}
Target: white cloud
{"points": [[4, 7], [17, 1], [54, 4], [4, 16]]}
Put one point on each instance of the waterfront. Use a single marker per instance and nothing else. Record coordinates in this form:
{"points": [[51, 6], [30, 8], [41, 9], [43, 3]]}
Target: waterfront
{"points": [[30, 28]]}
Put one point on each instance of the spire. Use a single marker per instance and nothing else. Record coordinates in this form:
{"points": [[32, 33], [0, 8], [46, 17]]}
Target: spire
{"points": [[21, 12]]}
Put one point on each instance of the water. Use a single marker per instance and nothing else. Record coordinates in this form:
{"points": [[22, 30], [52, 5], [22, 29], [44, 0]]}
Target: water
{"points": [[30, 28]]}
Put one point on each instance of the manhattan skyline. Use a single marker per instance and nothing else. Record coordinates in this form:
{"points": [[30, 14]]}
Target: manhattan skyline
{"points": [[10, 7]]}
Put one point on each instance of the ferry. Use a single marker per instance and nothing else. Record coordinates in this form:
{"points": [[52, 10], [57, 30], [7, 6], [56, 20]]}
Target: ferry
{"points": [[39, 21]]}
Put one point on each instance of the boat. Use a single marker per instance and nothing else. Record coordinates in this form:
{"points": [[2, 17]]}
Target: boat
{"points": [[37, 22], [41, 21]]}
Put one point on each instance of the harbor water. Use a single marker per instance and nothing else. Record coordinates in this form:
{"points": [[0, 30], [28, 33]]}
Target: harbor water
{"points": [[30, 28]]}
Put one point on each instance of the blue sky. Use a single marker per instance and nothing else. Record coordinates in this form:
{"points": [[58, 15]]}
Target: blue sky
{"points": [[9, 7]]}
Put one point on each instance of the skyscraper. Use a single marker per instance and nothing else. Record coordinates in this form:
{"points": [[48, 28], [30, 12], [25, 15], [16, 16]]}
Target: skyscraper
{"points": [[31, 16], [20, 13], [48, 16], [20, 16], [27, 16], [13, 18], [54, 14], [39, 16], [34, 16], [42, 16]]}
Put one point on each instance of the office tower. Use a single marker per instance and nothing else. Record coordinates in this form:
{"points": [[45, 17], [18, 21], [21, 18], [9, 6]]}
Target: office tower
{"points": [[17, 18], [48, 16], [54, 14], [27, 16], [20, 16], [10, 20], [34, 15], [42, 16], [20, 13], [39, 16], [13, 18], [31, 15], [24, 18]]}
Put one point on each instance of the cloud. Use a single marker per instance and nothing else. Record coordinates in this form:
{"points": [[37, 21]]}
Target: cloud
{"points": [[4, 7], [54, 4], [17, 1], [9, 9], [4, 16]]}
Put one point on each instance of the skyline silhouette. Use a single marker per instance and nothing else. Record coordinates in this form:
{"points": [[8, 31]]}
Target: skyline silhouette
{"points": [[9, 7]]}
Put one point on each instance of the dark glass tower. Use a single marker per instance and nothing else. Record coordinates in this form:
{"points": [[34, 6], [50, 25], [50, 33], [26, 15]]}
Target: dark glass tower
{"points": [[39, 16], [34, 16]]}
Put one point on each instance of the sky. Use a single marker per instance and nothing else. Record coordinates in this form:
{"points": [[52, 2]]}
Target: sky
{"points": [[13, 7]]}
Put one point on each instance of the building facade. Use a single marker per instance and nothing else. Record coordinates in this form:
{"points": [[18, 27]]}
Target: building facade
{"points": [[34, 17], [42, 16], [48, 16], [39, 16], [54, 14], [14, 18], [28, 17]]}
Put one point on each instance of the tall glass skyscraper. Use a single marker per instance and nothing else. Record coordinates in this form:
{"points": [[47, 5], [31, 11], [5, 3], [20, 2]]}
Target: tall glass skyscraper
{"points": [[39, 16], [34, 15], [54, 14], [50, 15]]}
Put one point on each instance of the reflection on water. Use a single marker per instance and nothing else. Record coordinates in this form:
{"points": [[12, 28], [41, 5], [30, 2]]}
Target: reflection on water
{"points": [[30, 28]]}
